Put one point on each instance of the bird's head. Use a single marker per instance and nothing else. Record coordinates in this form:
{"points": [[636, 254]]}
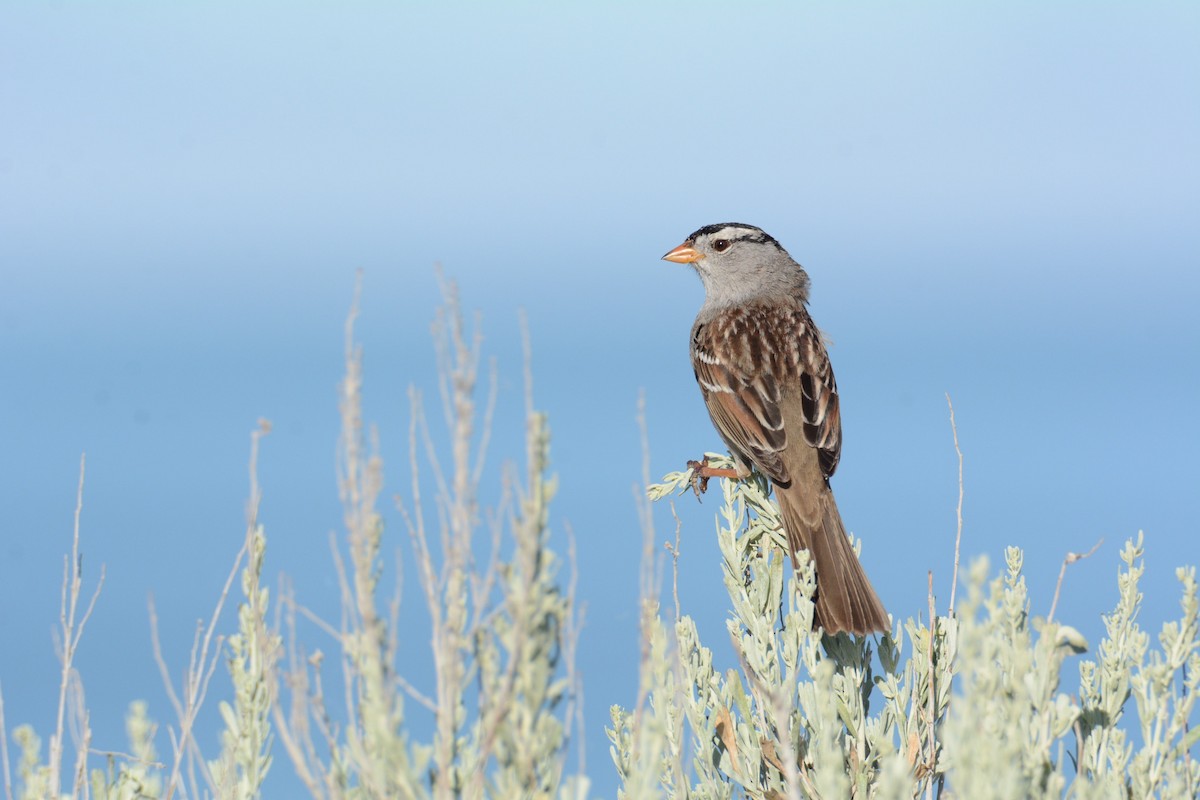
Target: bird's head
{"points": [[738, 262]]}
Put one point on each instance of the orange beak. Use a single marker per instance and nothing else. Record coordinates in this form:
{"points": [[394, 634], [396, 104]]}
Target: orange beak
{"points": [[684, 254]]}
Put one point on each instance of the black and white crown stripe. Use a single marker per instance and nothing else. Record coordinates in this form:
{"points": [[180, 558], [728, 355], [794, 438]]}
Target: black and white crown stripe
{"points": [[735, 232]]}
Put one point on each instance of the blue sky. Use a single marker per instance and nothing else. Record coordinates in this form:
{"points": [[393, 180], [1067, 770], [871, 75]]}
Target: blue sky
{"points": [[998, 201]]}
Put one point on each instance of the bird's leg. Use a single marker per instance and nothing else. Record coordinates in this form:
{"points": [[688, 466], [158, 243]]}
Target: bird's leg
{"points": [[701, 472]]}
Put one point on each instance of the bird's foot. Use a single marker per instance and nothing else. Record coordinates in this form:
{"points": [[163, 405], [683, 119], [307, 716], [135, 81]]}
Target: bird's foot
{"points": [[701, 472]]}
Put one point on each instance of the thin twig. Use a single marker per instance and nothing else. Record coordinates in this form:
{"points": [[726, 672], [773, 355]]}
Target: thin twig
{"points": [[8, 795], [199, 673], [163, 671], [485, 431], [1187, 754], [527, 358], [1062, 572], [348, 612], [312, 617], [483, 585], [127, 757], [415, 520], [651, 576], [71, 627], [294, 732], [81, 735], [255, 499], [415, 694], [571, 645], [932, 694], [674, 551], [647, 588], [958, 534], [492, 718]]}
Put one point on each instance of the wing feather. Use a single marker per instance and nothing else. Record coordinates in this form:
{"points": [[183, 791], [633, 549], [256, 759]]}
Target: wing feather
{"points": [[753, 364]]}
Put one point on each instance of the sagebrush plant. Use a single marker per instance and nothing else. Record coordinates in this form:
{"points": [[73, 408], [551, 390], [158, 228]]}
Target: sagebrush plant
{"points": [[975, 710], [503, 633], [972, 703]]}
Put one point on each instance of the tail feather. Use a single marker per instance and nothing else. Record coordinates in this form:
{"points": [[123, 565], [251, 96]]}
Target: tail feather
{"points": [[845, 599]]}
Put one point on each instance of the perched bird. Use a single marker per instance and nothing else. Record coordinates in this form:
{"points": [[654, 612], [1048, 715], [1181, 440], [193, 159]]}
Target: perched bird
{"points": [[766, 379]]}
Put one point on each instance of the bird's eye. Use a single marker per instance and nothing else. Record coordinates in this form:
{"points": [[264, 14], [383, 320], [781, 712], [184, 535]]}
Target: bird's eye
{"points": [[721, 245]]}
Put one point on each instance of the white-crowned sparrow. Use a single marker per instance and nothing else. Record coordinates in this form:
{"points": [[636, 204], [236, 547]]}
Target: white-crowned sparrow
{"points": [[766, 379]]}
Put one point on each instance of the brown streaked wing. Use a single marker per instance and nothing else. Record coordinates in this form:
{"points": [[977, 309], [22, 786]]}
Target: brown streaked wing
{"points": [[818, 394], [744, 408]]}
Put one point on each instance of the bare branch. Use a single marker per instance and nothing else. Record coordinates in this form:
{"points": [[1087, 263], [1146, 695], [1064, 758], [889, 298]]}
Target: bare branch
{"points": [[673, 549], [8, 793], [1062, 573], [959, 529], [932, 711], [202, 663], [71, 627]]}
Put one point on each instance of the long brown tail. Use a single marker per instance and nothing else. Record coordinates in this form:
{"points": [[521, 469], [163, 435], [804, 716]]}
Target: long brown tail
{"points": [[845, 599]]}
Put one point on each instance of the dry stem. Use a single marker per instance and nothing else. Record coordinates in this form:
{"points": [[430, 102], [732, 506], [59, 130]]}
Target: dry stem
{"points": [[932, 712], [201, 665], [958, 533], [1071, 558], [71, 630], [8, 795]]}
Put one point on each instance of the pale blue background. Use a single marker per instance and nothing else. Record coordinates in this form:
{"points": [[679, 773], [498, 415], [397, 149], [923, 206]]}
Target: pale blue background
{"points": [[999, 201]]}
